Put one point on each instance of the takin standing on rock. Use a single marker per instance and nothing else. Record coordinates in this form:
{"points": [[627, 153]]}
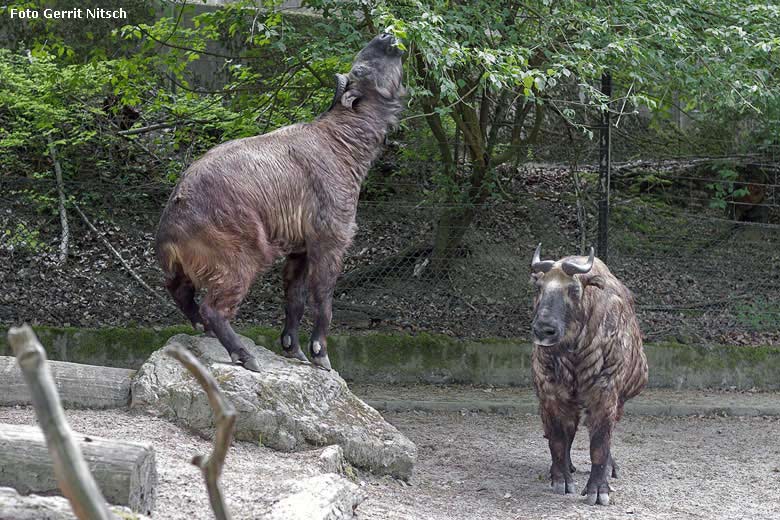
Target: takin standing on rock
{"points": [[292, 192], [587, 356]]}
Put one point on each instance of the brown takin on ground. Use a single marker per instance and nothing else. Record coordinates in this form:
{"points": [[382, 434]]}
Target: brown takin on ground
{"points": [[587, 357], [293, 193]]}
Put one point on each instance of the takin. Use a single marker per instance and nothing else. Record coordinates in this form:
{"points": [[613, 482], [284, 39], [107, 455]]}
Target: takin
{"points": [[292, 192], [587, 356]]}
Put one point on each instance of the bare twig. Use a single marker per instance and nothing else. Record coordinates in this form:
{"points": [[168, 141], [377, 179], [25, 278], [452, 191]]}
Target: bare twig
{"points": [[149, 128], [60, 191], [73, 476], [119, 257], [225, 420]]}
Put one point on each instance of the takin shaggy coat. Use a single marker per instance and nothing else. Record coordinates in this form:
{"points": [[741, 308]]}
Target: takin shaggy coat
{"points": [[587, 356], [292, 192]]}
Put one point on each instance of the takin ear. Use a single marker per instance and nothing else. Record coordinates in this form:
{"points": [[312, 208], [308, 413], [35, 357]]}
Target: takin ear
{"points": [[593, 280], [350, 96]]}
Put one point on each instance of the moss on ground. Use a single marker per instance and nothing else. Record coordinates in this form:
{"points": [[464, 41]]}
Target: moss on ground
{"points": [[425, 357]]}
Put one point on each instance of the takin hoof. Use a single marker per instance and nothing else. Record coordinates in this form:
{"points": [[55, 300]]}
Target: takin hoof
{"points": [[319, 356], [563, 487], [295, 353], [322, 362], [249, 362], [596, 494]]}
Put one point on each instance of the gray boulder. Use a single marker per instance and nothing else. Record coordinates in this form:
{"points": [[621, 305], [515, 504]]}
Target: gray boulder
{"points": [[322, 497], [33, 507], [289, 406]]}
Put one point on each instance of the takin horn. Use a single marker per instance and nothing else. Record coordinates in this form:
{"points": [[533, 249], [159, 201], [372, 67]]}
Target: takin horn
{"points": [[538, 265], [572, 268], [341, 86]]}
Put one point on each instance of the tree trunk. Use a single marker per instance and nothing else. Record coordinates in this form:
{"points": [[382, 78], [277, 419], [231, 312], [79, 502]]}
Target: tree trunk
{"points": [[33, 507], [450, 230], [125, 472], [79, 386]]}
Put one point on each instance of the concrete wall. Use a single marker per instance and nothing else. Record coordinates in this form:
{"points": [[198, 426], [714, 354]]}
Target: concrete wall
{"points": [[429, 358]]}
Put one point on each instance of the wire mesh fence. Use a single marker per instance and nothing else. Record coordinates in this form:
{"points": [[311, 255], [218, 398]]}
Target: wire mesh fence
{"points": [[698, 248]]}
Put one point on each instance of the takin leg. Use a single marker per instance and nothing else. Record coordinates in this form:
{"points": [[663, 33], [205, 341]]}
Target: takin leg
{"points": [[597, 489], [560, 424], [294, 277], [183, 292], [324, 268], [219, 306], [570, 433]]}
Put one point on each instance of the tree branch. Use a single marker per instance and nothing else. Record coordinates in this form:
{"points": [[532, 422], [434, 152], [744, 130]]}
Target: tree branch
{"points": [[434, 119], [484, 114], [148, 128], [119, 257], [501, 109], [517, 142], [61, 194], [225, 420], [70, 468], [60, 191]]}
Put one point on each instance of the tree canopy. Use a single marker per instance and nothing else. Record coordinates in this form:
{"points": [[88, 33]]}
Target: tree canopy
{"points": [[484, 77]]}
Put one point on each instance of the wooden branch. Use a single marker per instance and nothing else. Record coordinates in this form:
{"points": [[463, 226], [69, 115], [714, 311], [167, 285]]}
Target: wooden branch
{"points": [[125, 471], [119, 257], [225, 420], [61, 193], [502, 108], [71, 470], [433, 119], [516, 141], [484, 113], [148, 128], [78, 385]]}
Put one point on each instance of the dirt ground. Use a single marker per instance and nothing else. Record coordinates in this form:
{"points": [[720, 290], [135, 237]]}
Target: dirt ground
{"points": [[487, 466]]}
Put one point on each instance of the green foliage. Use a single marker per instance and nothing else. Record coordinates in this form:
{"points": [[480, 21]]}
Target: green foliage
{"points": [[726, 189], [477, 66], [22, 238], [484, 74], [760, 314]]}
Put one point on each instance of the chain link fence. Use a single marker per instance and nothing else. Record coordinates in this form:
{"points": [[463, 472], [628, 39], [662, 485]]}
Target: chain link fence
{"points": [[696, 240]]}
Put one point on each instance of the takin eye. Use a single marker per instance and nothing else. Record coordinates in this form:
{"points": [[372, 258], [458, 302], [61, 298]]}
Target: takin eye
{"points": [[575, 292]]}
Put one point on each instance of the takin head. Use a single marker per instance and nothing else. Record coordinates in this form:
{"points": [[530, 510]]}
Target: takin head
{"points": [[376, 75], [559, 310]]}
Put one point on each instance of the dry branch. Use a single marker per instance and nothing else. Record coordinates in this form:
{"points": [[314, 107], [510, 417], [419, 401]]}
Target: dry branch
{"points": [[126, 472], [78, 385], [60, 192], [225, 420], [71, 470], [119, 257]]}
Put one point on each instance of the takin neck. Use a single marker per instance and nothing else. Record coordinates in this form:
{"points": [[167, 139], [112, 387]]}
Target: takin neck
{"points": [[358, 134]]}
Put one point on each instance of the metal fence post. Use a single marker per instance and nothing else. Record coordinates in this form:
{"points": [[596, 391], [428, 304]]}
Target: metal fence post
{"points": [[605, 167]]}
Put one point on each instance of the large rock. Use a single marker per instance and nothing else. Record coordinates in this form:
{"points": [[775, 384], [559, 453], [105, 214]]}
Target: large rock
{"points": [[33, 507], [322, 497], [288, 406]]}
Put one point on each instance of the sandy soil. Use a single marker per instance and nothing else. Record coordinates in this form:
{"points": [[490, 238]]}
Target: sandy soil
{"points": [[483, 466]]}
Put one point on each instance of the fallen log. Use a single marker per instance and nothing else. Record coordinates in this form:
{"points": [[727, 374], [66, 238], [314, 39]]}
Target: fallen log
{"points": [[68, 465], [33, 507], [124, 471], [79, 386]]}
